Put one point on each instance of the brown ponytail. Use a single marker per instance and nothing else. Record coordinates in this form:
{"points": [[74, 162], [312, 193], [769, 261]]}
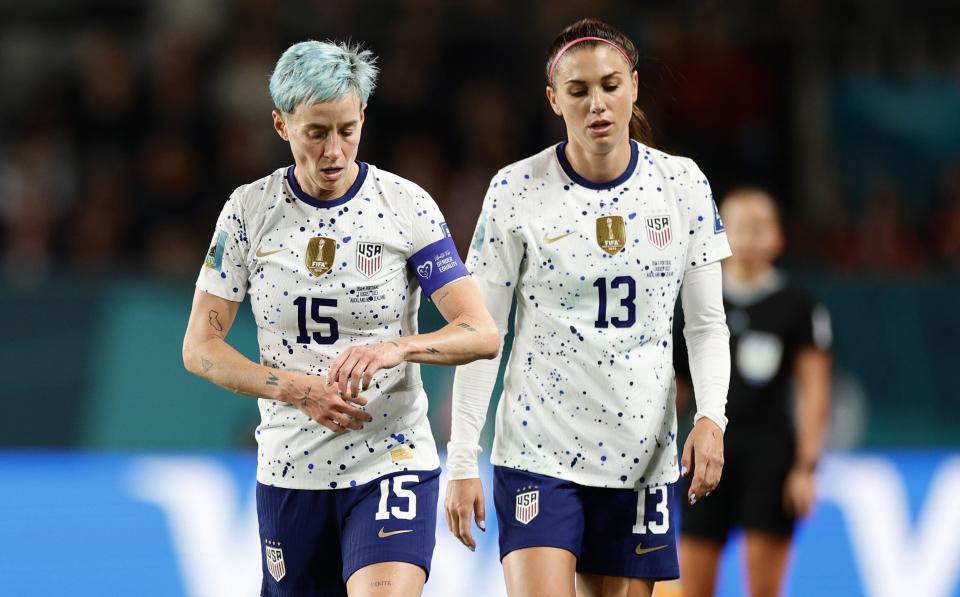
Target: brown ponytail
{"points": [[640, 128]]}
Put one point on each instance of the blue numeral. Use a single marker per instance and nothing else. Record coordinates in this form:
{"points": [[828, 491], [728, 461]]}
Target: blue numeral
{"points": [[315, 304], [629, 302]]}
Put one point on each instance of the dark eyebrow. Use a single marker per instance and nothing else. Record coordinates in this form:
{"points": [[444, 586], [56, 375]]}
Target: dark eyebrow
{"points": [[603, 78]]}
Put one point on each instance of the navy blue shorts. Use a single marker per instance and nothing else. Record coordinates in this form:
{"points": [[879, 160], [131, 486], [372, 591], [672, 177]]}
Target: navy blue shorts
{"points": [[314, 540], [613, 532]]}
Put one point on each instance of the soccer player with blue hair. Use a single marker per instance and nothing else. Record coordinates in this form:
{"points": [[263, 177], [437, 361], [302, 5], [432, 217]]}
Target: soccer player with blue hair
{"points": [[334, 253]]}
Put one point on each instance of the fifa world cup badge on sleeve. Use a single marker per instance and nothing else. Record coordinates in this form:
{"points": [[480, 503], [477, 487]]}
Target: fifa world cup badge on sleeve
{"points": [[528, 504], [658, 231], [275, 563], [214, 258], [320, 254], [717, 222], [611, 234]]}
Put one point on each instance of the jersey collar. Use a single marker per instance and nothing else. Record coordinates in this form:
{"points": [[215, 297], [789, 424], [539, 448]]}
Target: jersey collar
{"points": [[311, 200], [598, 186]]}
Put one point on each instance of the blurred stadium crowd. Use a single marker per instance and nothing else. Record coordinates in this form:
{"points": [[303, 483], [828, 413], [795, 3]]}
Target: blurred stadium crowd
{"points": [[125, 125]]}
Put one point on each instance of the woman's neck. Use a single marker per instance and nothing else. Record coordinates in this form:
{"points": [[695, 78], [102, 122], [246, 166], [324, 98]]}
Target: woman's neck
{"points": [[598, 167]]}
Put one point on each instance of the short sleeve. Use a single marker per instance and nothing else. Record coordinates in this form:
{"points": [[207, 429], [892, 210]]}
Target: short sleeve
{"points": [[496, 251], [225, 272], [708, 238], [434, 260], [814, 329]]}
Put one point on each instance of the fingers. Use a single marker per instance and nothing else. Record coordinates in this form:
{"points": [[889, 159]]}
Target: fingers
{"points": [[356, 375], [352, 413], [479, 514], [329, 424], [346, 370], [336, 365], [686, 460], [706, 475]]}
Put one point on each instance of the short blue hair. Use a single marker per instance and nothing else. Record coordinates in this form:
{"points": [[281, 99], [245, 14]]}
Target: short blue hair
{"points": [[311, 72]]}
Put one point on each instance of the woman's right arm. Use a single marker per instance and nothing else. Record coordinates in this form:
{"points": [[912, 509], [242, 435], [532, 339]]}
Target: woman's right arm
{"points": [[207, 355]]}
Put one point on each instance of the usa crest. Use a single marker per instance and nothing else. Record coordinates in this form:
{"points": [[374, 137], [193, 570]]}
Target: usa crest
{"points": [[320, 254], [275, 562], [659, 232], [369, 258], [528, 505], [611, 234]]}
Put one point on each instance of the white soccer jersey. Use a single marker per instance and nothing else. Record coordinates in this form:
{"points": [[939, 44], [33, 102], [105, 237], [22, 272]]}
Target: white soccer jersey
{"points": [[323, 275], [589, 392]]}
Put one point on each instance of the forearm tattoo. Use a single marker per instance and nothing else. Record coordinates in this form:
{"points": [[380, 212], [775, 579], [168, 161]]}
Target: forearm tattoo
{"points": [[214, 318], [273, 380], [466, 326], [394, 343], [206, 364], [433, 351]]}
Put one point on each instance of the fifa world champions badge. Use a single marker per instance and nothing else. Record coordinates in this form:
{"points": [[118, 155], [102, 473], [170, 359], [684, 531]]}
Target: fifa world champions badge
{"points": [[275, 565], [611, 234], [528, 505], [319, 255]]}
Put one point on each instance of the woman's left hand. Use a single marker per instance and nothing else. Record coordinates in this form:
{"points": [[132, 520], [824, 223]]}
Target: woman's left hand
{"points": [[353, 370], [703, 456]]}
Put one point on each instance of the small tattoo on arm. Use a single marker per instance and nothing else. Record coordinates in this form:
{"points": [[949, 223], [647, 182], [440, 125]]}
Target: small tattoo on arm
{"points": [[433, 351], [206, 364], [467, 327], [394, 343], [214, 318], [273, 380]]}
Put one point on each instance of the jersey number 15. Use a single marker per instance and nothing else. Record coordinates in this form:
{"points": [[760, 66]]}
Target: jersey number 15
{"points": [[317, 336]]}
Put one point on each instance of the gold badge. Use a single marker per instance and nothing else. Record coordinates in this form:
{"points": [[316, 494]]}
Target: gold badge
{"points": [[320, 254], [611, 234], [401, 453]]}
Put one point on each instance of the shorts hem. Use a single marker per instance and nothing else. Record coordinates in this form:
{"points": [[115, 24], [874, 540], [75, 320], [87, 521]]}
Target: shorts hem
{"points": [[655, 575], [505, 553]]}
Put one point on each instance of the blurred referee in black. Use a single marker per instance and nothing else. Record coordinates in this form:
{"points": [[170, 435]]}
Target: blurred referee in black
{"points": [[777, 407]]}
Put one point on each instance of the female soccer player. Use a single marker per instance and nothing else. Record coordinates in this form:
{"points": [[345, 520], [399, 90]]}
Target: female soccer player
{"points": [[596, 237], [779, 338], [333, 253]]}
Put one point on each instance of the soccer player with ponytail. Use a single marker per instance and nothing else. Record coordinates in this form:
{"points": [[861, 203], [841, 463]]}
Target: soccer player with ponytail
{"points": [[596, 238]]}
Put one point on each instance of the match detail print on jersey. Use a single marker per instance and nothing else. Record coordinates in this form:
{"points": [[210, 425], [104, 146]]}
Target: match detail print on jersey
{"points": [[437, 264]]}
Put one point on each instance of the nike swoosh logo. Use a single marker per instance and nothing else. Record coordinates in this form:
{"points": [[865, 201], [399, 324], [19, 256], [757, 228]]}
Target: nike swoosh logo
{"points": [[644, 550], [383, 534], [262, 253], [547, 240]]}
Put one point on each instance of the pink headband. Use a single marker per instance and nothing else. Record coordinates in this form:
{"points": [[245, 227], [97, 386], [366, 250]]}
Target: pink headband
{"points": [[568, 45]]}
